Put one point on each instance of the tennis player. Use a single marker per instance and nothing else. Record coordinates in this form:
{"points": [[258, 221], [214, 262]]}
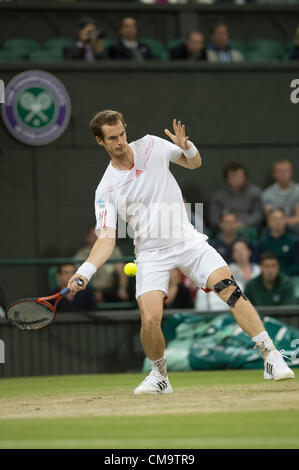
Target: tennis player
{"points": [[139, 186]]}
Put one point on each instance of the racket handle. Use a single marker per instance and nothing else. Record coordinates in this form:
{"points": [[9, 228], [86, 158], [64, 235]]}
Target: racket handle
{"points": [[65, 291]]}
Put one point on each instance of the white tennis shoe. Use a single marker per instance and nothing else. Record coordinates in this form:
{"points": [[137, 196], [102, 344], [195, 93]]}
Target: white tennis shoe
{"points": [[276, 368], [154, 384]]}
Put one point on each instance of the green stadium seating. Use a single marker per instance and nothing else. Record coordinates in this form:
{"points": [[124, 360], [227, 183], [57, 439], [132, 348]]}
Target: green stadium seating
{"points": [[256, 56], [12, 56], [267, 48], [249, 233], [238, 46], [20, 44], [52, 279], [58, 43], [46, 56], [295, 280], [173, 43], [158, 49]]}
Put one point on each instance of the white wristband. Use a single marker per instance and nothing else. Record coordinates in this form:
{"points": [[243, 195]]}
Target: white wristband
{"points": [[190, 152], [86, 270]]}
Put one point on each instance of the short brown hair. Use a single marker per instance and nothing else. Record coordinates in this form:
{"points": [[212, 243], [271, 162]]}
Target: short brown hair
{"points": [[234, 166], [282, 161], [109, 117]]}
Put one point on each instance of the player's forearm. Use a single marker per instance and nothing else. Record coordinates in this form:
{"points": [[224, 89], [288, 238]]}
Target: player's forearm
{"points": [[194, 162], [101, 251]]}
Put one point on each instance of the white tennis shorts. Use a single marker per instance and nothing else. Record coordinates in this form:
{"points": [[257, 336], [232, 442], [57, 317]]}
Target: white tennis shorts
{"points": [[196, 259]]}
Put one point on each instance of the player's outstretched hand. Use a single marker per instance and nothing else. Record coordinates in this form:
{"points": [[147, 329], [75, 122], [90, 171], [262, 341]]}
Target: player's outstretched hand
{"points": [[73, 286], [179, 137]]}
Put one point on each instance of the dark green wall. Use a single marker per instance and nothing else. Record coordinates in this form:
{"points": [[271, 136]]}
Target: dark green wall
{"points": [[231, 112]]}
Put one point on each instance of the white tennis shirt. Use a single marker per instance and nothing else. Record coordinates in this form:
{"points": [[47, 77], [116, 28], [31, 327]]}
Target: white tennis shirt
{"points": [[147, 197]]}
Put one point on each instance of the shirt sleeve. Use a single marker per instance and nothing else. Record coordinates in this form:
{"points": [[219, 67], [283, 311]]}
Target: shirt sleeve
{"points": [[105, 212], [170, 150]]}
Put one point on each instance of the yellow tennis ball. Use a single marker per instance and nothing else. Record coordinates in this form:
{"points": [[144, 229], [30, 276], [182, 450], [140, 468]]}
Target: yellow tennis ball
{"points": [[130, 269]]}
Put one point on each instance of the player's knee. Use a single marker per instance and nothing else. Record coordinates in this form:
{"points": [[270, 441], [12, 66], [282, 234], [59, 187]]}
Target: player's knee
{"points": [[151, 320], [229, 291]]}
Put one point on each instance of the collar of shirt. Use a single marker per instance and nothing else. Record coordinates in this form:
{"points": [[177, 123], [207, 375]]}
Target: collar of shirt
{"points": [[284, 191], [130, 44]]}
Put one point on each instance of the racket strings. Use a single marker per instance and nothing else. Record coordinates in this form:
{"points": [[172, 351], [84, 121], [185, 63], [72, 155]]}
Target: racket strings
{"points": [[30, 315]]}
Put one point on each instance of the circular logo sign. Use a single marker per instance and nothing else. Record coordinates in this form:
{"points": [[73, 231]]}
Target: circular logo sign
{"points": [[37, 107]]}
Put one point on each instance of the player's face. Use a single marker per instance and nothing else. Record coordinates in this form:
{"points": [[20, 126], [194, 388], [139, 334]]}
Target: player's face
{"points": [[115, 139], [270, 268]]}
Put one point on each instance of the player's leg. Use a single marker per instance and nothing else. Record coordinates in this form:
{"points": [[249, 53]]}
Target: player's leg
{"points": [[152, 338], [153, 342], [222, 282], [244, 312]]}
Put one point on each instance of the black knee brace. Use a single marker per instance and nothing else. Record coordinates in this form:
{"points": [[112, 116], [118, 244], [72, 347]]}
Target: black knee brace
{"points": [[237, 293]]}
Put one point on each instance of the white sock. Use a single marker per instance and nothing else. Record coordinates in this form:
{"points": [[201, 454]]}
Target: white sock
{"points": [[159, 366], [264, 343]]}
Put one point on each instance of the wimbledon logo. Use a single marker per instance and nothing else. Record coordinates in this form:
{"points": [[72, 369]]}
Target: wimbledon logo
{"points": [[37, 107]]}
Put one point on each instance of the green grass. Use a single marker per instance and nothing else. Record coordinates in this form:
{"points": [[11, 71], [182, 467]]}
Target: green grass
{"points": [[248, 428]]}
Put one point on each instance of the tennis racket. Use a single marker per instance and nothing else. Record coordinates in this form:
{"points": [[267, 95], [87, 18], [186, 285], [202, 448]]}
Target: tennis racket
{"points": [[37, 313]]}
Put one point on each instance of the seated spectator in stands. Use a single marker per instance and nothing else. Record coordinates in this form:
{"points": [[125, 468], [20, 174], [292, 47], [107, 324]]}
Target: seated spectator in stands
{"points": [[242, 268], [295, 52], [219, 50], [271, 287], [193, 49], [110, 282], [83, 301], [178, 295], [2, 304], [238, 196], [228, 234], [280, 242], [128, 46], [89, 46], [283, 194]]}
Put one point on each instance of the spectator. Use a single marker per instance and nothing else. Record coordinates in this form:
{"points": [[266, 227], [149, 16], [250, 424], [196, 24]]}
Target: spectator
{"points": [[295, 51], [192, 49], [128, 47], [83, 301], [219, 49], [281, 243], [237, 196], [227, 236], [271, 287], [110, 282], [178, 295], [89, 46], [284, 193], [242, 269]]}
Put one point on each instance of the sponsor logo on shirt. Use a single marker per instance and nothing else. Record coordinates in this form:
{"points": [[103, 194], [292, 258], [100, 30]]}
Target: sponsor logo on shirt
{"points": [[101, 203]]}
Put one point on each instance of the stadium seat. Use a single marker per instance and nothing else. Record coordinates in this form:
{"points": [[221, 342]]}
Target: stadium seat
{"points": [[19, 44], [46, 56], [267, 48], [256, 56], [58, 44], [52, 279], [12, 56], [173, 43], [238, 46], [295, 280], [158, 49], [249, 233]]}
